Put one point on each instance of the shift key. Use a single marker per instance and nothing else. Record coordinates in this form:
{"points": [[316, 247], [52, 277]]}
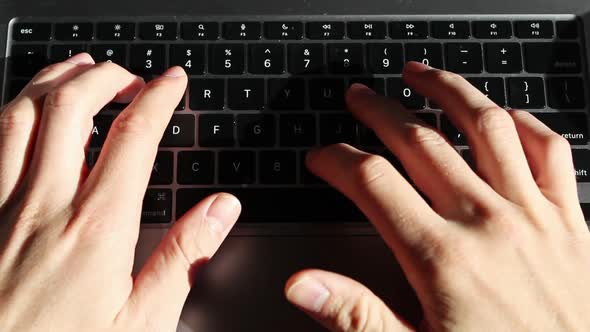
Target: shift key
{"points": [[572, 126], [582, 164]]}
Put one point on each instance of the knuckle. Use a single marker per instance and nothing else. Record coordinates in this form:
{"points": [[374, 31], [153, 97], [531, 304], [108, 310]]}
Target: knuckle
{"points": [[186, 247], [134, 124], [63, 96], [371, 169], [418, 134], [15, 121], [358, 314], [490, 118], [555, 144]]}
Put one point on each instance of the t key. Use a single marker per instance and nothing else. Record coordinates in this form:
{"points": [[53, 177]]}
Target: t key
{"points": [[245, 94]]}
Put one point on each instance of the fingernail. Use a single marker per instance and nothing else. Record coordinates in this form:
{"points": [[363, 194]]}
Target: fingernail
{"points": [[81, 59], [175, 71], [308, 294], [222, 213], [417, 67], [361, 89]]}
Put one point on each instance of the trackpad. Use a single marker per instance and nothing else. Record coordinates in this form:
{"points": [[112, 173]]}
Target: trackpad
{"points": [[241, 288]]}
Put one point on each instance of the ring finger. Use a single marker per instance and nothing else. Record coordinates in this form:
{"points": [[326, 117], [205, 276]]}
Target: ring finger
{"points": [[18, 120]]}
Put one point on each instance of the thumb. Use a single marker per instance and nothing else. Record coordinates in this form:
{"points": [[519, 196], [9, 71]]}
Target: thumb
{"points": [[165, 280], [341, 304]]}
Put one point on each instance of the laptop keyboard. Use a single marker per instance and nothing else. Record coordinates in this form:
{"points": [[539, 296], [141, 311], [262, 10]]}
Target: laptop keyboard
{"points": [[263, 92]]}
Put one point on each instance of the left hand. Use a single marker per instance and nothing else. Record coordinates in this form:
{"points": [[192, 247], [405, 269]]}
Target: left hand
{"points": [[68, 236]]}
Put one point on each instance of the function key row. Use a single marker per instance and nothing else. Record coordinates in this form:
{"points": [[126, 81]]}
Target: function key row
{"points": [[292, 30]]}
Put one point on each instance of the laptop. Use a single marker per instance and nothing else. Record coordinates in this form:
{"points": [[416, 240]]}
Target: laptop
{"points": [[266, 84]]}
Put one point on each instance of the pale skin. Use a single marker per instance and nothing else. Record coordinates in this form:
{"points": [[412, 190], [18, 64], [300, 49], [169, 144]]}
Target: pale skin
{"points": [[502, 248]]}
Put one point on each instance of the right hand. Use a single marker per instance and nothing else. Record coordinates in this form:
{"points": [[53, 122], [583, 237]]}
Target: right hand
{"points": [[505, 248]]}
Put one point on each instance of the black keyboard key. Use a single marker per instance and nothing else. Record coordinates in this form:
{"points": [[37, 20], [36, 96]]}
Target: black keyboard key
{"points": [[27, 60], [180, 131], [147, 59], [297, 130], [428, 118], [278, 167], [464, 57], [325, 30], [450, 131], [226, 59], [162, 168], [288, 204], [450, 29], [567, 29], [337, 128], [237, 167], [207, 94], [429, 54], [241, 30], [385, 58], [191, 57], [115, 31], [566, 92], [396, 88], [367, 30], [73, 31], [286, 93], [256, 130], [100, 130], [283, 30], [116, 53], [245, 94], [572, 126], [526, 92], [216, 130], [345, 58], [15, 87], [31, 31], [408, 30], [559, 58], [534, 29], [195, 167], [582, 165], [492, 87], [492, 29], [59, 53], [305, 58], [368, 137], [158, 30], [326, 94], [503, 58], [266, 59], [157, 206], [374, 83], [199, 30]]}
